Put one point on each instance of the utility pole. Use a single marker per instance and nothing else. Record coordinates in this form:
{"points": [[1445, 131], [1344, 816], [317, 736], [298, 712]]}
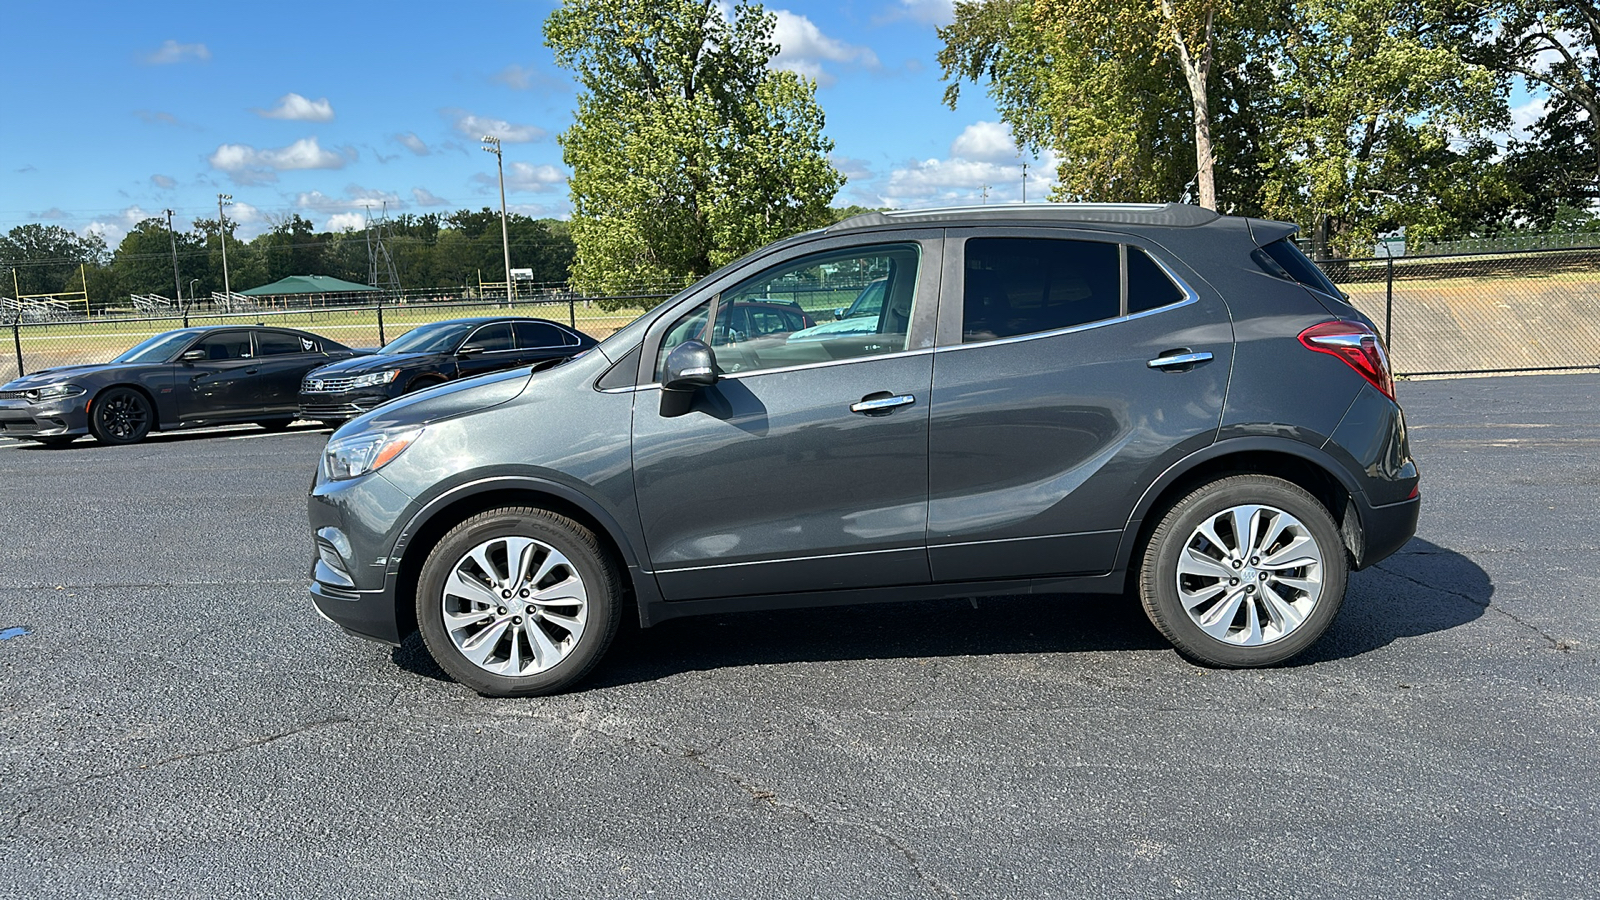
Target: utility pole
{"points": [[222, 234], [177, 285], [1024, 182], [492, 145], [986, 195]]}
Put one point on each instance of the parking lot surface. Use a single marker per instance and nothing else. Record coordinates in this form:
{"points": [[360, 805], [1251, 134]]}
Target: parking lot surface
{"points": [[176, 721]]}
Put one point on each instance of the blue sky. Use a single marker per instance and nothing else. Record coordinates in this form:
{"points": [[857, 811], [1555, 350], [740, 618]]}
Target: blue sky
{"points": [[116, 111]]}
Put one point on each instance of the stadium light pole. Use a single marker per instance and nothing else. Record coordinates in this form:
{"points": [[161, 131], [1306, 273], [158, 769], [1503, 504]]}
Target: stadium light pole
{"points": [[491, 144], [177, 284], [222, 234]]}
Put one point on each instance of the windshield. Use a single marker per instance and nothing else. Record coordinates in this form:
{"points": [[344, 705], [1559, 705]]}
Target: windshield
{"points": [[161, 348], [440, 338]]}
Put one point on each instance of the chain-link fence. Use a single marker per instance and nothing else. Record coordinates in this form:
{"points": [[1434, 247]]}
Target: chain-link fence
{"points": [[36, 345], [1479, 313]]}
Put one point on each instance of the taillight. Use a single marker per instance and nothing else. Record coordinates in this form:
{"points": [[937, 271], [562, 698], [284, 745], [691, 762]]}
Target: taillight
{"points": [[1358, 346]]}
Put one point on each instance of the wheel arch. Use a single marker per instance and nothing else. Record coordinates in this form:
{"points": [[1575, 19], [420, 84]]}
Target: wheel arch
{"points": [[450, 509], [155, 407], [1298, 463]]}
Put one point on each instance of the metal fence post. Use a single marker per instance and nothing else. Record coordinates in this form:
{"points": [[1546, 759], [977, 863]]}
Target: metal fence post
{"points": [[1388, 310], [381, 339], [16, 339], [572, 312]]}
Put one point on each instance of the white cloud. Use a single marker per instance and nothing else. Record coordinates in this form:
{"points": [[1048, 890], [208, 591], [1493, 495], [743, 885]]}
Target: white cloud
{"points": [[1524, 117], [54, 212], [426, 197], [115, 227], [411, 142], [527, 78], [156, 117], [521, 176], [935, 182], [356, 198], [171, 52], [475, 127], [803, 48], [851, 168], [931, 12], [248, 165], [984, 141], [297, 108], [164, 182], [350, 221]]}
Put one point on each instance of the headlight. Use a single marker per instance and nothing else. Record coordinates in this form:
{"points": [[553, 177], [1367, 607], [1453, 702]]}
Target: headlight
{"points": [[52, 392], [374, 379], [359, 454]]}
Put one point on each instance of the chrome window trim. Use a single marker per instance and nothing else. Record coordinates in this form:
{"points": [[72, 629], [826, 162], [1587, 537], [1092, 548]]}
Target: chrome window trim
{"points": [[1189, 297]]}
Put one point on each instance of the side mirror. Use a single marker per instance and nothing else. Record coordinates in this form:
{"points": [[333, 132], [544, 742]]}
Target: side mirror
{"points": [[469, 351], [193, 355], [838, 313], [690, 366]]}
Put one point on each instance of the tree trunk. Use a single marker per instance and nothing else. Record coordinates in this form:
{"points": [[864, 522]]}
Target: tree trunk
{"points": [[1195, 73]]}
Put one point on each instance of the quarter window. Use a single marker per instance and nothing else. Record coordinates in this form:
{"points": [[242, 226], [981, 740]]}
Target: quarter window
{"points": [[1148, 286], [800, 312], [1018, 286]]}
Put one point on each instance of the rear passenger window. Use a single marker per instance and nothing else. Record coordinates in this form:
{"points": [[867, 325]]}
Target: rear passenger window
{"points": [[1148, 286], [1020, 286], [272, 343], [534, 335]]}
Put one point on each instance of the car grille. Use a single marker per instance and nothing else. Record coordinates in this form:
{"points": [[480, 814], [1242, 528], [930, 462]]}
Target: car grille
{"points": [[327, 385], [334, 410], [13, 395]]}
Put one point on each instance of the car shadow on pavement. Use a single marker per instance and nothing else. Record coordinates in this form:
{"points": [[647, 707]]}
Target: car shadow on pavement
{"points": [[1422, 589]]}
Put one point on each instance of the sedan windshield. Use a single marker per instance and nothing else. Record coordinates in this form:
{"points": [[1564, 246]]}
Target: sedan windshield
{"points": [[161, 348], [440, 338]]}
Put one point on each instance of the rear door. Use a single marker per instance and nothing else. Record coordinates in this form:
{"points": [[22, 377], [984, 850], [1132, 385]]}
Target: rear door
{"points": [[1060, 393], [539, 343], [488, 349], [282, 359]]}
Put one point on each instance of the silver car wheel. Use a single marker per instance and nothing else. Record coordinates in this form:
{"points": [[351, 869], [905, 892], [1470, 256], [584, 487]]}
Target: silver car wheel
{"points": [[514, 606], [1250, 575]]}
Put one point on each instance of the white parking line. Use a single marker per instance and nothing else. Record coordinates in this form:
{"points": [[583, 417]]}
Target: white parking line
{"points": [[251, 437]]}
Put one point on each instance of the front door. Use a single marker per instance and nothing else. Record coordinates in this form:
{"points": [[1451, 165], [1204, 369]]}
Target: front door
{"points": [[222, 384], [779, 479]]}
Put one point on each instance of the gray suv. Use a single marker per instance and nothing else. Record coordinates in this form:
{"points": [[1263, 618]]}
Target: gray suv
{"points": [[1154, 400]]}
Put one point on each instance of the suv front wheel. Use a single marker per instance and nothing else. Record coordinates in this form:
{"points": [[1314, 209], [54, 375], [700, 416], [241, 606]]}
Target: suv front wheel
{"points": [[1245, 571], [518, 602]]}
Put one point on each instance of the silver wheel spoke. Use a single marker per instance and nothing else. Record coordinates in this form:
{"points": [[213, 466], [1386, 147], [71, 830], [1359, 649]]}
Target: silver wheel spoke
{"points": [[478, 617], [1271, 594]]}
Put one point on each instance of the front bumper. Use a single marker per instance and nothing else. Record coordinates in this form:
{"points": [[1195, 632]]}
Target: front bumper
{"points": [[56, 418], [353, 579], [343, 406]]}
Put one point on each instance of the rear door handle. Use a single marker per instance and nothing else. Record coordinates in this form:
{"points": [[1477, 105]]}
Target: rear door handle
{"points": [[251, 371], [881, 404], [1176, 360]]}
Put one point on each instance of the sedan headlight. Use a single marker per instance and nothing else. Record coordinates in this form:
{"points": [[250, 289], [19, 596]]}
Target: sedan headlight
{"points": [[52, 392], [375, 378], [358, 454]]}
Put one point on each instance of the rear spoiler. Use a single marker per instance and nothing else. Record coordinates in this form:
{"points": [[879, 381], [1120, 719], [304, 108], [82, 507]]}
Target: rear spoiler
{"points": [[1265, 231]]}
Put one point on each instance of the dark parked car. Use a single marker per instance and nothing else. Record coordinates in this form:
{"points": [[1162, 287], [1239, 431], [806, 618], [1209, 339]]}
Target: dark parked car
{"points": [[434, 354], [214, 375], [1055, 399]]}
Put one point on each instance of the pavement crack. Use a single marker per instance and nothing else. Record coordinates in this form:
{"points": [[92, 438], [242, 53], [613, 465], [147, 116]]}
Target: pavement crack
{"points": [[1555, 643], [193, 754], [1432, 587]]}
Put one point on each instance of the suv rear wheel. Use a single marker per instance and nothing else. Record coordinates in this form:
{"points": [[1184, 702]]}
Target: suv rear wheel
{"points": [[518, 602], [1245, 571]]}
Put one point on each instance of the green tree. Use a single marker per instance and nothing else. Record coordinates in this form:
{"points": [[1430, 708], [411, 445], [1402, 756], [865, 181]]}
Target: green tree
{"points": [[47, 258], [143, 260], [687, 150]]}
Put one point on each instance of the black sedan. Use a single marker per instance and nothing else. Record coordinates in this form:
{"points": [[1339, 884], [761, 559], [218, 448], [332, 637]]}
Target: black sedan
{"points": [[214, 375], [433, 354]]}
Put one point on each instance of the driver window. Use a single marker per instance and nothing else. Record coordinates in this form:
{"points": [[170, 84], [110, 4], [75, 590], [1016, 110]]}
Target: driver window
{"points": [[490, 338], [829, 306], [227, 345]]}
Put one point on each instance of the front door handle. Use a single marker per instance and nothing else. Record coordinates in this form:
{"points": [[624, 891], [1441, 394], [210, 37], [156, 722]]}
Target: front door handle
{"points": [[1178, 359], [251, 371], [881, 404]]}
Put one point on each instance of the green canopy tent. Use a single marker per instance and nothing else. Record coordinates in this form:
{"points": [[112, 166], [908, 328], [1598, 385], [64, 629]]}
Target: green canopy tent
{"points": [[314, 290]]}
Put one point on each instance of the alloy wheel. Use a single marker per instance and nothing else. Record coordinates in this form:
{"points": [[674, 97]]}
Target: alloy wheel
{"points": [[514, 606], [1250, 575]]}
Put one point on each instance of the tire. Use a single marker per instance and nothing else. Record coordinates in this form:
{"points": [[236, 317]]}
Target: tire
{"points": [[121, 415], [276, 424], [473, 626], [1221, 607]]}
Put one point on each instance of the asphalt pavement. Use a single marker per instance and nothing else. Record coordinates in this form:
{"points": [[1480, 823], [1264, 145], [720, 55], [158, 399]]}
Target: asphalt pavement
{"points": [[176, 721]]}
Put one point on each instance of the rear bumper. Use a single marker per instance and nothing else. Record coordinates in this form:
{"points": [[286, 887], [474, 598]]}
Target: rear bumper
{"points": [[1385, 529]]}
